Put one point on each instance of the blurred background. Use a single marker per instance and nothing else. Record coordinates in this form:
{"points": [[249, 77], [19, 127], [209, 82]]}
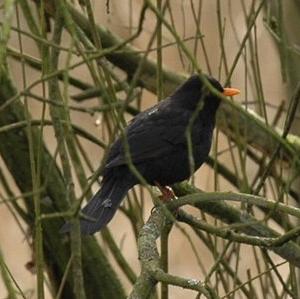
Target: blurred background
{"points": [[266, 72]]}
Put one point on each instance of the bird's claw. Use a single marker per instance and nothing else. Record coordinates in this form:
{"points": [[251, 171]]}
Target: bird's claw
{"points": [[167, 192]]}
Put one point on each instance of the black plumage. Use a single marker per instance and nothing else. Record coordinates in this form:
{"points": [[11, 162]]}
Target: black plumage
{"points": [[157, 142]]}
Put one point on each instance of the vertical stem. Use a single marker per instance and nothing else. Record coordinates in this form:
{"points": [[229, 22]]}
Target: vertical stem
{"points": [[164, 253], [6, 279], [65, 140], [38, 235], [221, 36], [159, 54]]}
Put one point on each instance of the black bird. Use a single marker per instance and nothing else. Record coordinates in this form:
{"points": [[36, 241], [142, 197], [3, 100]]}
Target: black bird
{"points": [[157, 142]]}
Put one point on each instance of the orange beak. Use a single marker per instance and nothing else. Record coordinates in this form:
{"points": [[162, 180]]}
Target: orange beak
{"points": [[229, 92]]}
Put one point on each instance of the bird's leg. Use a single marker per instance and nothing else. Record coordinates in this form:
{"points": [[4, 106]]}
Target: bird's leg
{"points": [[166, 191], [167, 195]]}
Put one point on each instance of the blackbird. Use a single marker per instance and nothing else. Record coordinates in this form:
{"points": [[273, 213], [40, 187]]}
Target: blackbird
{"points": [[157, 146]]}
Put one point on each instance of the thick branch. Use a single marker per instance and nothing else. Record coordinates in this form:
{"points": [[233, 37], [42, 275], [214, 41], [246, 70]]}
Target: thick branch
{"points": [[151, 269]]}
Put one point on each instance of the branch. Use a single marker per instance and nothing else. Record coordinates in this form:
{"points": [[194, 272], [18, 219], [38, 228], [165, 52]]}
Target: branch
{"points": [[255, 234], [212, 203], [151, 270]]}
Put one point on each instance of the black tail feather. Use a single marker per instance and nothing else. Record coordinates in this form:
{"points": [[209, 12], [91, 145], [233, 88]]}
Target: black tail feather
{"points": [[102, 207]]}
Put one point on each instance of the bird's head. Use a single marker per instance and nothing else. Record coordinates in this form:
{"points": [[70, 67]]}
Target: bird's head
{"points": [[202, 89]]}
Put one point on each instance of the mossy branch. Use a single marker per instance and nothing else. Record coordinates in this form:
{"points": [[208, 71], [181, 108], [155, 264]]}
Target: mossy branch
{"points": [[253, 232]]}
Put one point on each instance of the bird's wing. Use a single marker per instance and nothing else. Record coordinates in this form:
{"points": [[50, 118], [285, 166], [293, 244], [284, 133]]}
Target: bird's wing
{"points": [[151, 134]]}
